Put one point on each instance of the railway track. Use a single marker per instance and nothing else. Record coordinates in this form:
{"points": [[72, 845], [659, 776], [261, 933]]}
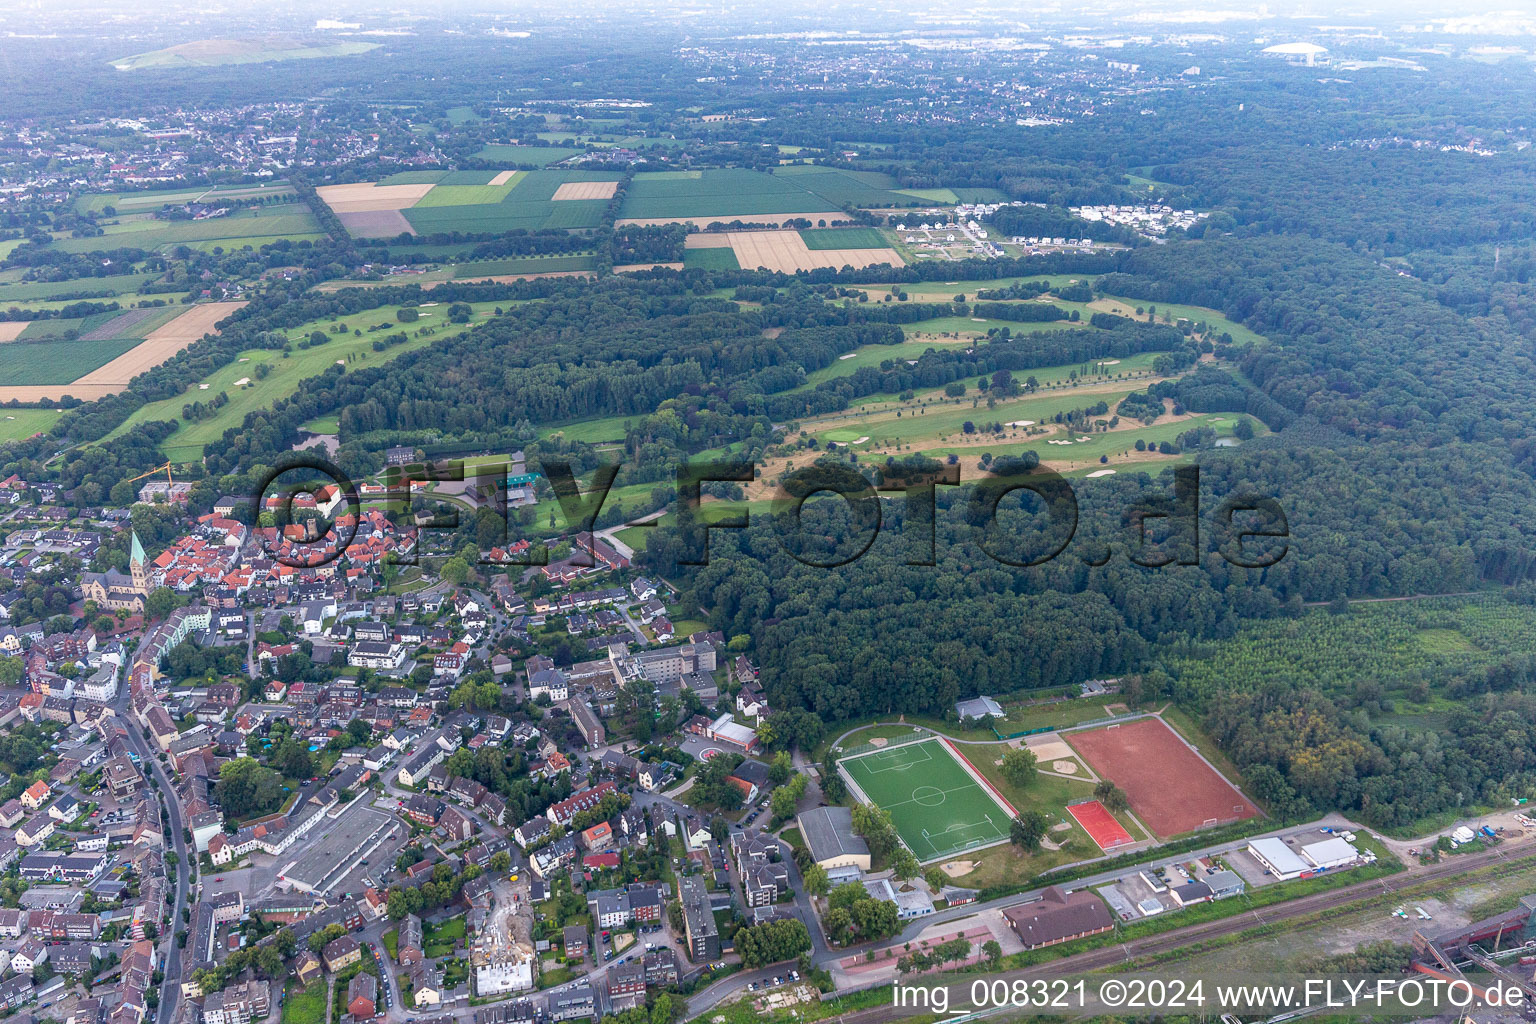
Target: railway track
{"points": [[1123, 952]]}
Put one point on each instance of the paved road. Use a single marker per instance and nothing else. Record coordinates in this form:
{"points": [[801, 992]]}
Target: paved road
{"points": [[170, 952]]}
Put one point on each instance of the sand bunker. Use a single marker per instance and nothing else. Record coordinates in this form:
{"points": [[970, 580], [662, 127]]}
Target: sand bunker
{"points": [[1064, 767], [957, 868]]}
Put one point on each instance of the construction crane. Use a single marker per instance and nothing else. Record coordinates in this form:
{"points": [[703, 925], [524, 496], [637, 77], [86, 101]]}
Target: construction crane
{"points": [[166, 467]]}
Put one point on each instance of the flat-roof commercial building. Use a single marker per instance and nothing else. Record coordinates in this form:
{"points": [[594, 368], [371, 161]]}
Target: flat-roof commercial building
{"points": [[1329, 853], [335, 847], [829, 835], [1278, 859]]}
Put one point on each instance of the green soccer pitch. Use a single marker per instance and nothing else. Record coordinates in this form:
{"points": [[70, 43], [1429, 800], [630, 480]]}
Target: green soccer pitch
{"points": [[936, 804]]}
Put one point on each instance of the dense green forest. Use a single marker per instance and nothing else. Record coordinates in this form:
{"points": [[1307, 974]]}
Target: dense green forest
{"points": [[1371, 235]]}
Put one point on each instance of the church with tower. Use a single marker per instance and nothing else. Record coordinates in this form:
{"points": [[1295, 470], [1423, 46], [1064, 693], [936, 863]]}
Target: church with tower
{"points": [[112, 591]]}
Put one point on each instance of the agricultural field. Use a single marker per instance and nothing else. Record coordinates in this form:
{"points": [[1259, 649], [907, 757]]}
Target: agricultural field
{"points": [[205, 53], [740, 194], [94, 356], [285, 374], [154, 199], [844, 238], [436, 202], [786, 251], [255, 227], [57, 362], [719, 258], [33, 292], [533, 156]]}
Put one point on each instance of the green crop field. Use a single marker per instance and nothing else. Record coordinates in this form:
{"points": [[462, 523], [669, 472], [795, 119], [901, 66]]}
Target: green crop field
{"points": [[936, 806], [28, 291], [135, 324], [535, 156], [525, 202], [419, 178], [285, 375], [572, 214], [842, 187], [844, 238], [57, 362], [444, 194], [42, 330], [981, 195], [287, 220], [154, 199], [726, 192], [932, 195], [710, 259], [477, 177]]}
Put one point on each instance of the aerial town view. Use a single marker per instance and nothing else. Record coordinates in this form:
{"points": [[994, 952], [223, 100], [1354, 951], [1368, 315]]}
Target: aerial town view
{"points": [[704, 514]]}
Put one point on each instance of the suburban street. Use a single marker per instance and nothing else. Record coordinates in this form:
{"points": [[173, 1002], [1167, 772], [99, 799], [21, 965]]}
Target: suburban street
{"points": [[149, 762]]}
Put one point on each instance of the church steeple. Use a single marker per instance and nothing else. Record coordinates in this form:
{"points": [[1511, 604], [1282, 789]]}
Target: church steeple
{"points": [[136, 565]]}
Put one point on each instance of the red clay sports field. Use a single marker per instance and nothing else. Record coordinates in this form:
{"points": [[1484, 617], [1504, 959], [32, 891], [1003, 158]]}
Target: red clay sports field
{"points": [[1171, 788], [1100, 825]]}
